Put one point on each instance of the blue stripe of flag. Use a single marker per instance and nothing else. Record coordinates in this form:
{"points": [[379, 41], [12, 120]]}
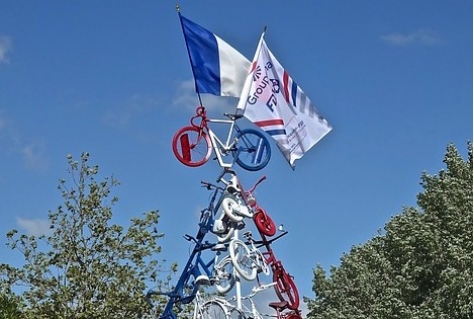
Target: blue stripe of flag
{"points": [[294, 88], [204, 56], [276, 132]]}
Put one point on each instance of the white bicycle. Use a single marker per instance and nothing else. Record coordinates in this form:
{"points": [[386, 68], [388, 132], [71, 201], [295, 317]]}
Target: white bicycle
{"points": [[247, 261]]}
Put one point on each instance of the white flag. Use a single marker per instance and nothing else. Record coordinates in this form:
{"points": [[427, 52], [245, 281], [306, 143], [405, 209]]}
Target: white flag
{"points": [[275, 103]]}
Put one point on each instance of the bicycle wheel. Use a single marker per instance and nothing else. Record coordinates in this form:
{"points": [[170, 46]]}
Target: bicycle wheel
{"points": [[253, 150], [285, 288], [229, 233], [212, 310], [231, 209], [262, 263], [241, 258], [223, 273], [264, 223], [191, 146]]}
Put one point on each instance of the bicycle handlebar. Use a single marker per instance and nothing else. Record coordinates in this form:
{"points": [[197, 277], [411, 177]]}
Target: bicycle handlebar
{"points": [[250, 191], [210, 186], [265, 241], [201, 246]]}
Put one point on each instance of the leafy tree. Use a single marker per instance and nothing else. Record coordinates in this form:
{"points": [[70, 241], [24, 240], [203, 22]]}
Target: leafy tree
{"points": [[87, 267], [9, 307], [420, 266]]}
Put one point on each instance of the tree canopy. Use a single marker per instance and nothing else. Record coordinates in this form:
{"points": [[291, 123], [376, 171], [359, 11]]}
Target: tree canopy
{"points": [[86, 267], [419, 266]]}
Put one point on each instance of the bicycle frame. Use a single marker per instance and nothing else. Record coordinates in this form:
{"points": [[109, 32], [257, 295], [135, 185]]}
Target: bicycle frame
{"points": [[192, 267], [220, 148], [285, 284], [270, 257], [208, 215]]}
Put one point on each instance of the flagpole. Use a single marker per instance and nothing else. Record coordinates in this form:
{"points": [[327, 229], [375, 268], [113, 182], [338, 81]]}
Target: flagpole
{"points": [[178, 9]]}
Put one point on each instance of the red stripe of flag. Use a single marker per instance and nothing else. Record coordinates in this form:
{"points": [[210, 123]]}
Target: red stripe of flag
{"points": [[269, 122], [253, 66], [285, 86]]}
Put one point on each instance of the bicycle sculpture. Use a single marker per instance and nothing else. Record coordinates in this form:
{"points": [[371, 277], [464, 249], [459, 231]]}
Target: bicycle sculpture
{"points": [[192, 145], [229, 207]]}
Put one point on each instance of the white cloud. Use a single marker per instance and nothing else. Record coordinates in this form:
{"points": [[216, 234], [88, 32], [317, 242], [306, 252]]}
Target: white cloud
{"points": [[34, 155], [35, 227], [135, 106], [418, 37], [5, 48]]}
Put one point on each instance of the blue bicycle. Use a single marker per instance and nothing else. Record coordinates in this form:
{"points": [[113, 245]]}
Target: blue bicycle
{"points": [[198, 272]]}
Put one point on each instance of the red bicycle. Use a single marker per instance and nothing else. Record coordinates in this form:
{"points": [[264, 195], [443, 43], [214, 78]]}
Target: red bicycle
{"points": [[285, 287], [264, 223]]}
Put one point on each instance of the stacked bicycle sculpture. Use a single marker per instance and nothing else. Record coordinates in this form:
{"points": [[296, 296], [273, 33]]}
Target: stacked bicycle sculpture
{"points": [[216, 265]]}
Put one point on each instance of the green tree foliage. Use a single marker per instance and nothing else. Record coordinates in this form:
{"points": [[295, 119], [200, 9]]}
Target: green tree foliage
{"points": [[9, 308], [87, 267], [420, 266]]}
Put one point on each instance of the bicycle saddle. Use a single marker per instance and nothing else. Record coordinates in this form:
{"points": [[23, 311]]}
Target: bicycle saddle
{"points": [[279, 305], [233, 186], [233, 116], [219, 247]]}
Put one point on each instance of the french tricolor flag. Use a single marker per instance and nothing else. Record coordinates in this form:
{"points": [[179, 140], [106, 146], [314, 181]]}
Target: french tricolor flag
{"points": [[218, 68]]}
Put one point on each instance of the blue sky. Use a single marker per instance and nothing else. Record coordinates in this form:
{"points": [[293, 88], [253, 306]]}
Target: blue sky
{"points": [[393, 78]]}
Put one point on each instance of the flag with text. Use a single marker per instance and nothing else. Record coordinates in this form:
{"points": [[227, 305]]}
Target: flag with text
{"points": [[275, 103]]}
